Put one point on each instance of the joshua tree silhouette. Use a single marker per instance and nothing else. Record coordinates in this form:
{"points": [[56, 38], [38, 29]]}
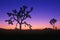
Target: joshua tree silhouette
{"points": [[52, 22], [19, 16]]}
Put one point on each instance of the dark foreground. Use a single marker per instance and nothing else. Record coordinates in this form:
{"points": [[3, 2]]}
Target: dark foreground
{"points": [[29, 34]]}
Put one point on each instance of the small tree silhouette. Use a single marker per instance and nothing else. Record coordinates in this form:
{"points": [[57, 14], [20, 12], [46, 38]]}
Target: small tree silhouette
{"points": [[19, 16], [52, 22]]}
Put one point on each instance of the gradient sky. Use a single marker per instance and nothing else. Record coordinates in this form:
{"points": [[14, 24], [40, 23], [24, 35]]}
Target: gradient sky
{"points": [[43, 11]]}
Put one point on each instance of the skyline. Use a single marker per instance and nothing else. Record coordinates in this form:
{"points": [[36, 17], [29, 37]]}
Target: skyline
{"points": [[43, 12]]}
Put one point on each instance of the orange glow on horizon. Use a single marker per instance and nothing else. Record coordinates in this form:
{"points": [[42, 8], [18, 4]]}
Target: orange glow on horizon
{"points": [[34, 26], [25, 28]]}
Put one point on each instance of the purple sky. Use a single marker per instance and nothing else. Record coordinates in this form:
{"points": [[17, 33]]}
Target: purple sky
{"points": [[43, 11]]}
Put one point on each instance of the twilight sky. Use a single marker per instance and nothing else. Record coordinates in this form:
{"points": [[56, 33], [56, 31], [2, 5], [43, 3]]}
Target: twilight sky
{"points": [[43, 11]]}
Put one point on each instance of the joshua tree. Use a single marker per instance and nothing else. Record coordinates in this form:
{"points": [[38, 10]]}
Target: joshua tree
{"points": [[52, 22], [19, 16]]}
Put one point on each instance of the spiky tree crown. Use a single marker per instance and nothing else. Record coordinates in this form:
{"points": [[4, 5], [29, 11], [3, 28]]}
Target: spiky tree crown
{"points": [[53, 21], [19, 16]]}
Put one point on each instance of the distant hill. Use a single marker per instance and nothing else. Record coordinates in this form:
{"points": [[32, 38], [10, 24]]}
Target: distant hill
{"points": [[47, 29]]}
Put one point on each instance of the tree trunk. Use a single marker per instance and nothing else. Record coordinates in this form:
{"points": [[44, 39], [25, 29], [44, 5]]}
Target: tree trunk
{"points": [[53, 26], [20, 26]]}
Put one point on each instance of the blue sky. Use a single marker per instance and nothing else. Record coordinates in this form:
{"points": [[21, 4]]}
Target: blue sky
{"points": [[43, 11]]}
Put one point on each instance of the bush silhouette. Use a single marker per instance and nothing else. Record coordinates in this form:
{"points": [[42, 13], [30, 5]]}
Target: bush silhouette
{"points": [[19, 16]]}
